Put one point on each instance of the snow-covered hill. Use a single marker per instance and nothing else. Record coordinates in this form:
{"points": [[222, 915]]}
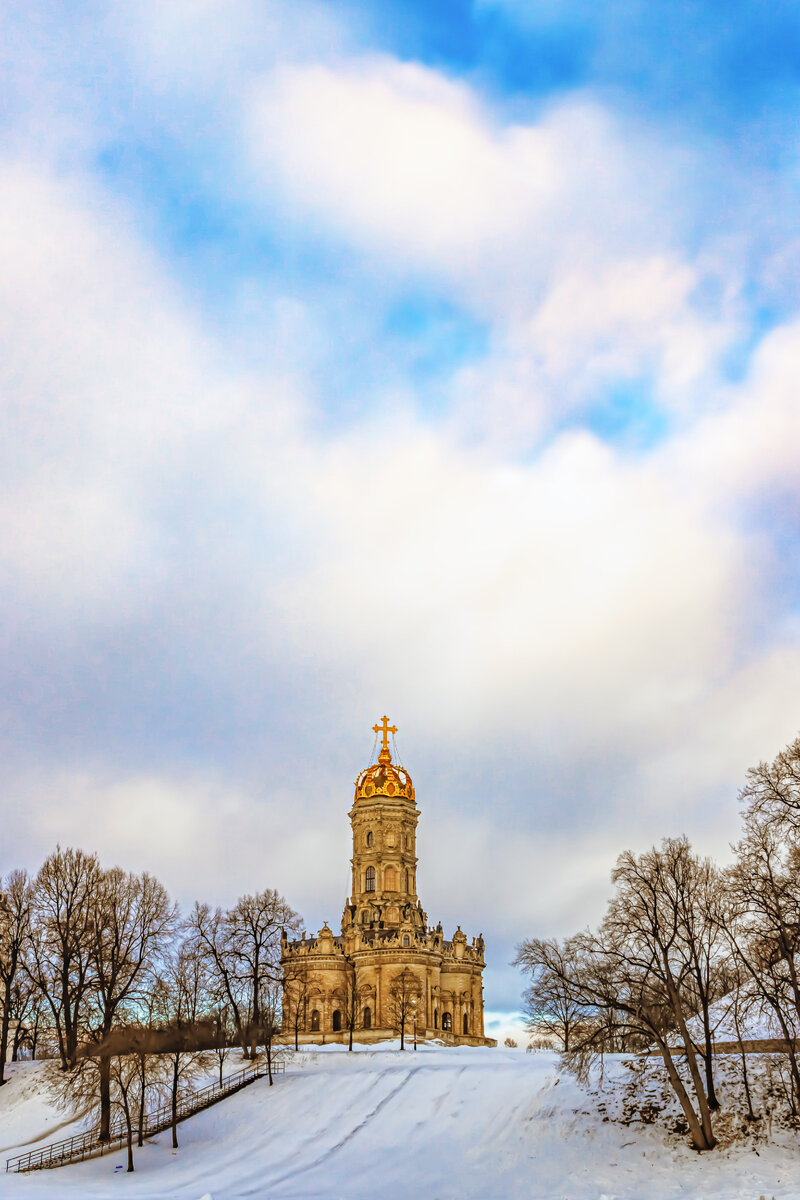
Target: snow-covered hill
{"points": [[443, 1124]]}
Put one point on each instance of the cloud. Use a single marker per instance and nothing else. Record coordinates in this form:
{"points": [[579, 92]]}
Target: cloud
{"points": [[396, 154], [211, 586], [566, 233]]}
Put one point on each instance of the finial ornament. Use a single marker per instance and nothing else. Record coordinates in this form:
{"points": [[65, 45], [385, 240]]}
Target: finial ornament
{"points": [[384, 728]]}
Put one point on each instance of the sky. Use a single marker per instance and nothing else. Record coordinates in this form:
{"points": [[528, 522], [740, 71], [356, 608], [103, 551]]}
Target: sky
{"points": [[436, 360]]}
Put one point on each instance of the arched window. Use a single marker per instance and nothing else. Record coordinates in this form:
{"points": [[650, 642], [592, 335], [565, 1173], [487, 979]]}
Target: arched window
{"points": [[447, 1022], [315, 1021], [466, 1024], [369, 838], [365, 918], [369, 880], [436, 1018], [368, 1018], [406, 940], [337, 1020], [390, 879]]}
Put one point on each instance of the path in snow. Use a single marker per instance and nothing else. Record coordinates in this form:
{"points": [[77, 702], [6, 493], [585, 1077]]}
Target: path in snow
{"points": [[444, 1124]]}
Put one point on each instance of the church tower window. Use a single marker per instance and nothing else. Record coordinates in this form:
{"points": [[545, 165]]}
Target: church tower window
{"points": [[390, 879], [369, 880], [406, 940], [369, 838], [408, 881]]}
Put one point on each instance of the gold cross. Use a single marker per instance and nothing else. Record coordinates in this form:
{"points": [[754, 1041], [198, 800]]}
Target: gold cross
{"points": [[385, 729]]}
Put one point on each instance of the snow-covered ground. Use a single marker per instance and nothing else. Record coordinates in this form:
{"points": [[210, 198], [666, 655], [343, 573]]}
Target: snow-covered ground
{"points": [[441, 1123]]}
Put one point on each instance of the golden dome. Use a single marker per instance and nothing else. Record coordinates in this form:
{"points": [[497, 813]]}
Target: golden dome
{"points": [[384, 778]]}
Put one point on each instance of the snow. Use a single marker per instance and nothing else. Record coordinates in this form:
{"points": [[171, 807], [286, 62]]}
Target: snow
{"points": [[445, 1123]]}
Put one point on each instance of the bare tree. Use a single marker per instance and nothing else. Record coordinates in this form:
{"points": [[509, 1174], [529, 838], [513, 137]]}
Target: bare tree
{"points": [[223, 1035], [404, 997], [550, 1005], [742, 1000], [123, 1078], [271, 995], [243, 950], [764, 924], [209, 932], [254, 927], [15, 915], [351, 998], [634, 978], [296, 985], [645, 921], [185, 1003], [59, 958], [132, 921], [78, 1089], [698, 888], [145, 1046], [773, 789]]}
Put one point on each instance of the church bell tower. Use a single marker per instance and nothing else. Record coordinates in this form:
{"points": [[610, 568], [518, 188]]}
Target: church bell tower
{"points": [[384, 863]]}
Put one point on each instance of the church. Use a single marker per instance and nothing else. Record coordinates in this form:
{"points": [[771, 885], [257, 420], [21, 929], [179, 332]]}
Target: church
{"points": [[388, 972]]}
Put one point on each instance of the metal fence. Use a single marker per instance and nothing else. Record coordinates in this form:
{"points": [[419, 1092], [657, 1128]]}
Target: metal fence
{"points": [[88, 1145]]}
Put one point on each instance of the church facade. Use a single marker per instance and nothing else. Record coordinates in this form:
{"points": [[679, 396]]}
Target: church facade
{"points": [[388, 971]]}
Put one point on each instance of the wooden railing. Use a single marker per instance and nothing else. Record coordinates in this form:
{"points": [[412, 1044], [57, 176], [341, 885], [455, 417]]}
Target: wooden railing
{"points": [[88, 1145]]}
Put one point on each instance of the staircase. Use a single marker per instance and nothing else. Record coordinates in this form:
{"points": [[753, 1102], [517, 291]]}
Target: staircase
{"points": [[88, 1145]]}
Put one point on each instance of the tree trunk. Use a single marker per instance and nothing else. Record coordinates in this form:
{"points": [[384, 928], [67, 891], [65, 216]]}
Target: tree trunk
{"points": [[17, 1042], [142, 1069], [105, 1099], [175, 1071], [695, 1128], [130, 1138], [4, 1037], [713, 1102], [691, 1058], [751, 1116], [62, 1046]]}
